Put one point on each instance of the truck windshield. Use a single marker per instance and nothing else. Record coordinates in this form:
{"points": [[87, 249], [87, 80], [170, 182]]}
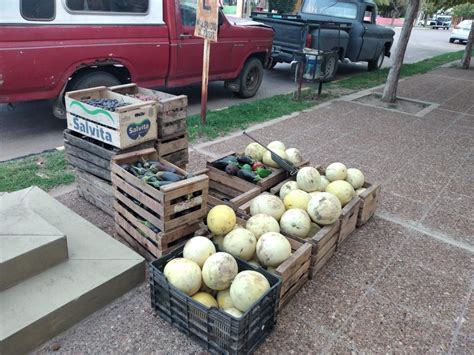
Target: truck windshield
{"points": [[330, 8]]}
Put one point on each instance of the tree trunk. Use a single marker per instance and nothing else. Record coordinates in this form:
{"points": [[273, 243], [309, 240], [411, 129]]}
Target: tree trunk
{"points": [[466, 58], [390, 90]]}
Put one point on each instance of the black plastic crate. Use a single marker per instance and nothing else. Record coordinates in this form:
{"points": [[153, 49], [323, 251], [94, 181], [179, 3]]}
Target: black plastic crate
{"points": [[216, 330]]}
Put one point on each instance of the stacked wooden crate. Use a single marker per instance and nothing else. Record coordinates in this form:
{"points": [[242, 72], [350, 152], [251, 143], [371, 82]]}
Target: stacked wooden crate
{"points": [[156, 221], [172, 143]]}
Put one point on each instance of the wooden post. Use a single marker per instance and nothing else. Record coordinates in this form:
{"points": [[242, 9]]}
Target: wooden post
{"points": [[466, 58], [205, 79], [240, 8]]}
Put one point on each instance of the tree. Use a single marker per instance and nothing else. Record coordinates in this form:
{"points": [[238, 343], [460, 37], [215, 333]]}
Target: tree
{"points": [[390, 90]]}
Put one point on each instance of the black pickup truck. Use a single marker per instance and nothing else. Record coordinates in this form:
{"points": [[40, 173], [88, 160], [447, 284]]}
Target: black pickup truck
{"points": [[346, 28]]}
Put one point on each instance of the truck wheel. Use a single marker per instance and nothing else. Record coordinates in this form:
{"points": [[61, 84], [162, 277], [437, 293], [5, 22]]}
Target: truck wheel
{"points": [[330, 69], [250, 78], [93, 79], [376, 64]]}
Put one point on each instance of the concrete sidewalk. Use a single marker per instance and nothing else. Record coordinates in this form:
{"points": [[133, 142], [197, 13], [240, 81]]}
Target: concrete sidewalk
{"points": [[402, 283]]}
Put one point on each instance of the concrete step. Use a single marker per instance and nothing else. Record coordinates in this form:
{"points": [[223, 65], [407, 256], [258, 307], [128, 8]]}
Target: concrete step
{"points": [[98, 270], [26, 251]]}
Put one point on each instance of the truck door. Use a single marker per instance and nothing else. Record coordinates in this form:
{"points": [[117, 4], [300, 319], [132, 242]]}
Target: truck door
{"points": [[370, 41], [188, 49]]}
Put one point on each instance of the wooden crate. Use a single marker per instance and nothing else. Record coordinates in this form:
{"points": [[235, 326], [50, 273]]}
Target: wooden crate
{"points": [[93, 156], [167, 208], [267, 183], [294, 271], [223, 189], [95, 190], [171, 109], [127, 126], [323, 243], [369, 201]]}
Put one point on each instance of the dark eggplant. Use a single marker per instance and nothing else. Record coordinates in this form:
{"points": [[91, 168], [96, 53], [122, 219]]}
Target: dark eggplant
{"points": [[248, 175], [244, 159], [232, 169], [162, 167], [168, 176]]}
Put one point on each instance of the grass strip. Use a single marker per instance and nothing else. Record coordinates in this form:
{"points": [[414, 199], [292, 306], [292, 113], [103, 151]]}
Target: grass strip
{"points": [[45, 170], [49, 170]]}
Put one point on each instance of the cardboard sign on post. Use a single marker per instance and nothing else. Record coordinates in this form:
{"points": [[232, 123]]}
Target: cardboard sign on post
{"points": [[207, 26]]}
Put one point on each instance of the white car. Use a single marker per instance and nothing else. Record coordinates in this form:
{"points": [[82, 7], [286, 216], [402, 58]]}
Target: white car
{"points": [[461, 31]]}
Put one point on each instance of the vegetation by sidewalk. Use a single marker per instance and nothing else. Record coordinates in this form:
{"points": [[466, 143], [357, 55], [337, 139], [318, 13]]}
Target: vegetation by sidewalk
{"points": [[45, 170], [50, 169]]}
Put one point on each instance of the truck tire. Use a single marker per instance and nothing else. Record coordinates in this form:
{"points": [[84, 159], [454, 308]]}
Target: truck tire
{"points": [[331, 65], [376, 64], [250, 78], [93, 79]]}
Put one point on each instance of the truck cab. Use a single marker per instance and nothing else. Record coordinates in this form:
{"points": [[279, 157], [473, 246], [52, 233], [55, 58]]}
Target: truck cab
{"points": [[49, 47]]}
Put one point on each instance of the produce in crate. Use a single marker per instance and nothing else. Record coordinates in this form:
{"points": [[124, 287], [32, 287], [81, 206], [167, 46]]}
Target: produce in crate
{"points": [[276, 145], [295, 221], [234, 312], [240, 242], [219, 270], [342, 190], [324, 208], [247, 288], [273, 249], [324, 183], [296, 199], [355, 177], [267, 204], [106, 104], [184, 274], [255, 151], [287, 187], [243, 166], [308, 179], [336, 171], [198, 249], [267, 157], [261, 224], [205, 298], [221, 220], [223, 299], [359, 191], [294, 156], [153, 172]]}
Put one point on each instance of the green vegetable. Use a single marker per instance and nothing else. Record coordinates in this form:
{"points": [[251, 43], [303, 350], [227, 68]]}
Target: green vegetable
{"points": [[263, 172], [247, 167]]}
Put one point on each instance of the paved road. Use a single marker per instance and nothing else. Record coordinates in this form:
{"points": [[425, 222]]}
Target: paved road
{"points": [[31, 128]]}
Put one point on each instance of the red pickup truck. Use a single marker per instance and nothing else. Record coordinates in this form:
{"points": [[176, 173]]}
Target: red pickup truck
{"points": [[48, 47]]}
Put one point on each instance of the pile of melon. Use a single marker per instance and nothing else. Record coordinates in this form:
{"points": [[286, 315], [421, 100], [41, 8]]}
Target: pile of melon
{"points": [[306, 204], [258, 242], [260, 153]]}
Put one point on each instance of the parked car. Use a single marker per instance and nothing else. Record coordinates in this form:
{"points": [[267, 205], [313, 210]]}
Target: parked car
{"points": [[358, 39], [441, 22], [460, 32], [49, 47]]}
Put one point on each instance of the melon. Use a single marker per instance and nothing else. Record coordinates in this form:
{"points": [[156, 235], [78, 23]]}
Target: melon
{"points": [[272, 269], [313, 230], [219, 242], [287, 187], [255, 151], [254, 263], [295, 222], [324, 183], [198, 249], [267, 204], [184, 274], [273, 249], [219, 270], [234, 312], [221, 219], [261, 224], [342, 190], [276, 145], [336, 171], [324, 208], [296, 199], [359, 191], [223, 299], [355, 177], [267, 157], [247, 288], [206, 299], [294, 156], [240, 242], [308, 179]]}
